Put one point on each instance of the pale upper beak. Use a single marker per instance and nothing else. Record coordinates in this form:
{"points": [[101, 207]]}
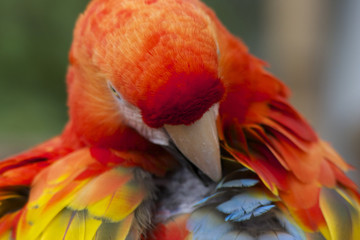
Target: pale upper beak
{"points": [[199, 142]]}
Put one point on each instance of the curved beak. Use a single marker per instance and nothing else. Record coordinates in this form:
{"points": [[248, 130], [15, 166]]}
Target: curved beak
{"points": [[199, 142]]}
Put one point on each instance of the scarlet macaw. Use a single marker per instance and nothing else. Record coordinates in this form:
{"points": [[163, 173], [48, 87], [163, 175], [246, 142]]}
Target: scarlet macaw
{"points": [[156, 87]]}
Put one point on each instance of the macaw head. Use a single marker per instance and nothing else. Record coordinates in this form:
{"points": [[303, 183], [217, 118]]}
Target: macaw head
{"points": [[151, 66]]}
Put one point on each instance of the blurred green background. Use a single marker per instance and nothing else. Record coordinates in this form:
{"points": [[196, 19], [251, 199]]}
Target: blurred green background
{"points": [[34, 40], [311, 45]]}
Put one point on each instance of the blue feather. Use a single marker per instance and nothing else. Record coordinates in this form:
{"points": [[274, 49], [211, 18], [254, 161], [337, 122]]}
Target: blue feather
{"points": [[290, 227], [257, 212], [205, 199], [242, 203], [240, 183], [206, 224]]}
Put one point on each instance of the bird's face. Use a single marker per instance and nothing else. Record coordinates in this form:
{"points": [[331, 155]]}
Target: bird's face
{"points": [[159, 75]]}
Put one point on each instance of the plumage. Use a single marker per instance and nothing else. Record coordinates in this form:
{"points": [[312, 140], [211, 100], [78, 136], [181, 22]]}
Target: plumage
{"points": [[243, 212], [156, 87], [78, 194]]}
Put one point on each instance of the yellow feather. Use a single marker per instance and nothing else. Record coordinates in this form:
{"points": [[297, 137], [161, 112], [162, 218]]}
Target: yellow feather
{"points": [[40, 213], [124, 228], [112, 195], [355, 212], [71, 225], [89, 202], [115, 231], [118, 205], [101, 186], [341, 217], [6, 236]]}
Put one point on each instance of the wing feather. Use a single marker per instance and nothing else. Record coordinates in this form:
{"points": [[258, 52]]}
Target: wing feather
{"points": [[68, 225], [71, 201], [290, 160]]}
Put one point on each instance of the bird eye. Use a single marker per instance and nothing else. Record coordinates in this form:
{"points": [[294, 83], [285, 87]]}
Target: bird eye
{"points": [[114, 91]]}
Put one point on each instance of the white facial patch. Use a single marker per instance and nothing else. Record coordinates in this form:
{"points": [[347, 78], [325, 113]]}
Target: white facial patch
{"points": [[132, 118]]}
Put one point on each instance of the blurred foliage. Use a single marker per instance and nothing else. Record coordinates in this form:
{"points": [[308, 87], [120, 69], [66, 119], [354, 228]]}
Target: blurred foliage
{"points": [[35, 37], [242, 18], [34, 40]]}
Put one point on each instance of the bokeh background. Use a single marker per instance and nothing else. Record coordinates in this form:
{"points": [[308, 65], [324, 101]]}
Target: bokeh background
{"points": [[313, 46]]}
